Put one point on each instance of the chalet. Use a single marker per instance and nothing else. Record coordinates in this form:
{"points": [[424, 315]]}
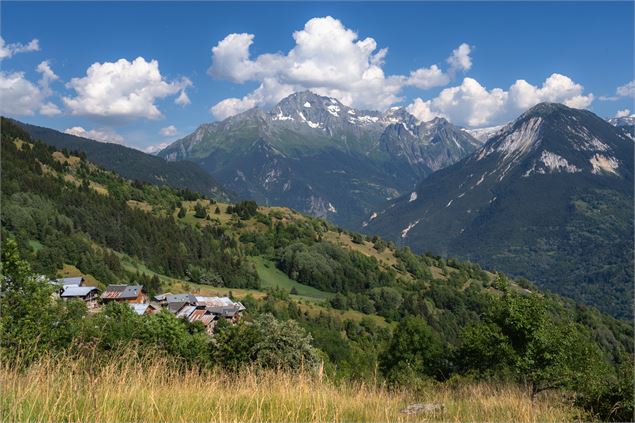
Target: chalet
{"points": [[219, 302], [88, 294], [198, 314], [144, 309], [175, 302], [232, 313], [125, 293], [223, 307], [162, 299], [176, 306]]}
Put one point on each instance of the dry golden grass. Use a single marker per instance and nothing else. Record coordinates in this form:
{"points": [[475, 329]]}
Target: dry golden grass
{"points": [[366, 248], [127, 390], [71, 160], [99, 188], [141, 205]]}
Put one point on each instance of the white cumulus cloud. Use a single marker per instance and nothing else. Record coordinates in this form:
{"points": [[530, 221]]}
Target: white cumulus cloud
{"points": [[8, 50], [182, 99], [626, 90], [21, 97], [122, 90], [168, 131], [152, 149], [623, 113], [428, 77], [472, 104], [101, 135], [328, 59], [460, 59]]}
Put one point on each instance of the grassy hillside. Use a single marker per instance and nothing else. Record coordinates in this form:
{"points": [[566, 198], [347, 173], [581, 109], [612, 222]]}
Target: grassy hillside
{"points": [[374, 312]]}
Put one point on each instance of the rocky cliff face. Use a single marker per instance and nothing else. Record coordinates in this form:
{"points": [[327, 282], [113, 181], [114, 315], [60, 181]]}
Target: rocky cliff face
{"points": [[322, 157]]}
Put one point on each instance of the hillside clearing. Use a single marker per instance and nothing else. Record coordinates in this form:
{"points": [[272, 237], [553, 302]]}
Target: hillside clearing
{"points": [[272, 277]]}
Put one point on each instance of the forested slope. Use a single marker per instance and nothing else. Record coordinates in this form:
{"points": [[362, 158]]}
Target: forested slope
{"points": [[405, 318], [133, 164]]}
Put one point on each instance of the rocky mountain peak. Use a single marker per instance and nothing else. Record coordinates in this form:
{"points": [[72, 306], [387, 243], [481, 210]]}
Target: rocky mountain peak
{"points": [[622, 121], [553, 138]]}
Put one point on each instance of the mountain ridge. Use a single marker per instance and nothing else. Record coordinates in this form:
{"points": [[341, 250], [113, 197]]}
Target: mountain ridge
{"points": [[319, 156], [132, 163], [545, 193]]}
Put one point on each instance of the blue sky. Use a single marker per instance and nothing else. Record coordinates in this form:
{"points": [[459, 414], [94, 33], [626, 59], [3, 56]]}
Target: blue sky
{"points": [[457, 60]]}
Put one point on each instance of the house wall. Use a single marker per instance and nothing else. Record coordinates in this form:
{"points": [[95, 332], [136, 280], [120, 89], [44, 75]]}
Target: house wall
{"points": [[141, 298]]}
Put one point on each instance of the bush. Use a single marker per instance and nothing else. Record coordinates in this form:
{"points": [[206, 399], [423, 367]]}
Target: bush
{"points": [[415, 351], [357, 238], [283, 345], [244, 209], [199, 211]]}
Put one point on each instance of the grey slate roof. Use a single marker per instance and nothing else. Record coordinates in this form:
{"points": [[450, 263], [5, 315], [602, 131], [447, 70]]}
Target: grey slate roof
{"points": [[162, 297], [140, 309], [224, 311], [69, 281], [70, 291], [176, 306], [181, 298], [186, 311]]}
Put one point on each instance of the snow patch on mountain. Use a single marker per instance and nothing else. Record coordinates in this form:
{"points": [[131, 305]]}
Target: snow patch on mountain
{"points": [[307, 105], [622, 120], [368, 119], [334, 110], [282, 116], [412, 133], [483, 134], [413, 196]]}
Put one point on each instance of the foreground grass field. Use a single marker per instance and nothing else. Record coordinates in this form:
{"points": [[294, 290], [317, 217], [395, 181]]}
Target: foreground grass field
{"points": [[131, 389]]}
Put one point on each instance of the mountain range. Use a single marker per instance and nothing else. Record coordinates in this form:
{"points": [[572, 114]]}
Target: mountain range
{"points": [[318, 156], [549, 197], [622, 121]]}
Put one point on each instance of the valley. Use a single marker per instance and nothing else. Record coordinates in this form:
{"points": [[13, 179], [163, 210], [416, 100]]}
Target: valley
{"points": [[349, 299], [317, 211]]}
